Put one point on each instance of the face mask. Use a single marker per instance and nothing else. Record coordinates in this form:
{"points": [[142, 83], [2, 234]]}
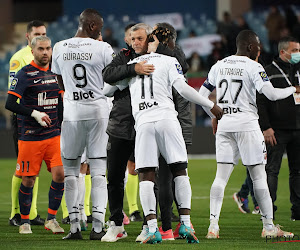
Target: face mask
{"points": [[295, 57]]}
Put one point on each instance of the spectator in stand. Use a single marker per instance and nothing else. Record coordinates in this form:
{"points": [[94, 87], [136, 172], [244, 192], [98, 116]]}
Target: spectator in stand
{"points": [[265, 57], [290, 17], [227, 28], [109, 38], [275, 23], [218, 53], [195, 62], [241, 24], [192, 34], [296, 29]]}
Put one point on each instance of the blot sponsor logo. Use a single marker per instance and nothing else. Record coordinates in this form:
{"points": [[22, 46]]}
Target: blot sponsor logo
{"points": [[147, 105]]}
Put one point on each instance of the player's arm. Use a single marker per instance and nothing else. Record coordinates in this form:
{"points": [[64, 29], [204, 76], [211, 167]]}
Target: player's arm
{"points": [[109, 90], [263, 104], [263, 85], [60, 82], [12, 105], [118, 70], [274, 94], [191, 94], [15, 64]]}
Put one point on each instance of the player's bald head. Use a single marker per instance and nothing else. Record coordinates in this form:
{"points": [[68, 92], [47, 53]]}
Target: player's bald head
{"points": [[248, 44], [90, 23], [245, 38], [88, 16]]}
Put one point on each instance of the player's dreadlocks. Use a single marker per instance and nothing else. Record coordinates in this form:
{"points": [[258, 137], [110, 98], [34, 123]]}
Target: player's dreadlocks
{"points": [[163, 35]]}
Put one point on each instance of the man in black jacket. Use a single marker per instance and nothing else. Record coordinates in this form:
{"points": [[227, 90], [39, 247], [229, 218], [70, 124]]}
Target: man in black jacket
{"points": [[121, 125], [280, 122]]}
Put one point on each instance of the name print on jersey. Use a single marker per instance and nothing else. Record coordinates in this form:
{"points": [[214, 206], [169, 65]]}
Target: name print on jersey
{"points": [[231, 71], [77, 56]]}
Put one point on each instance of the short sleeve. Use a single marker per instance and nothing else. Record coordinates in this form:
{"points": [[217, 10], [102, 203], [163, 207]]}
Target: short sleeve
{"points": [[259, 76], [175, 70], [14, 66], [18, 84], [54, 64], [211, 78], [109, 54]]}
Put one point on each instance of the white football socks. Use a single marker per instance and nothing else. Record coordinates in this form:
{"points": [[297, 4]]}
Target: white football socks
{"points": [[99, 200], [71, 197], [262, 194], [152, 224], [217, 189], [147, 197], [81, 196]]}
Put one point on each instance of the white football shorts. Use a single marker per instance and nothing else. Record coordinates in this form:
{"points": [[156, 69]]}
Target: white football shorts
{"points": [[165, 137], [247, 145], [76, 135]]}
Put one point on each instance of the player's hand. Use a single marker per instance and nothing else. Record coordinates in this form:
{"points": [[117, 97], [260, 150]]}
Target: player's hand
{"points": [[297, 89], [217, 111], [142, 68], [214, 124], [152, 46], [270, 138], [42, 118]]}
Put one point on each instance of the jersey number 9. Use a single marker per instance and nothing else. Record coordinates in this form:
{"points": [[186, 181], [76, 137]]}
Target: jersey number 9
{"points": [[79, 73]]}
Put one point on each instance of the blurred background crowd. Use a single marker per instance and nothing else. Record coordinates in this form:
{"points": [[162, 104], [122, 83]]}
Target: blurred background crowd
{"points": [[206, 31]]}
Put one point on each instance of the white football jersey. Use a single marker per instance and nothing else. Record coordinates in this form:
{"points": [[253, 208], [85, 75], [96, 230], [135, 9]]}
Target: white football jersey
{"points": [[236, 79], [151, 96], [80, 62]]}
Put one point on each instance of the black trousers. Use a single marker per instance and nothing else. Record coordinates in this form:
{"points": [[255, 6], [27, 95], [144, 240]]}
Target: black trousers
{"points": [[165, 193], [118, 153], [288, 140]]}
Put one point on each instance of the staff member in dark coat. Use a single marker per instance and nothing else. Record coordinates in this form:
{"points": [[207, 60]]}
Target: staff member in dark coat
{"points": [[280, 122]]}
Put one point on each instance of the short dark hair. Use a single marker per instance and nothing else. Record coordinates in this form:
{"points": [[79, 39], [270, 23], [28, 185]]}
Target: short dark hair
{"points": [[284, 42], [129, 26], [88, 14], [245, 37], [34, 23], [170, 28]]}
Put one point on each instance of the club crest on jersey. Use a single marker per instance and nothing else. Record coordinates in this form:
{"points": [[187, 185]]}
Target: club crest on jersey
{"points": [[179, 69], [264, 76], [13, 84]]}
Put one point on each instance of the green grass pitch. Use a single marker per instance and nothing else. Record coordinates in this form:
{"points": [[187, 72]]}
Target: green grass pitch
{"points": [[237, 230]]}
